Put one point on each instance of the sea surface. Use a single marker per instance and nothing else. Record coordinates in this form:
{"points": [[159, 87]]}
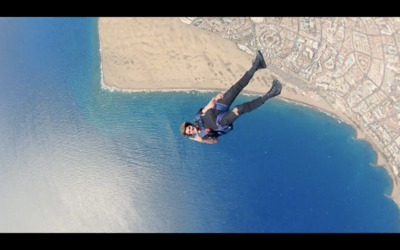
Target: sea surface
{"points": [[77, 158]]}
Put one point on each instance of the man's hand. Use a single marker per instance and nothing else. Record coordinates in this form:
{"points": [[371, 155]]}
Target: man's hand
{"points": [[196, 138], [208, 140], [217, 97]]}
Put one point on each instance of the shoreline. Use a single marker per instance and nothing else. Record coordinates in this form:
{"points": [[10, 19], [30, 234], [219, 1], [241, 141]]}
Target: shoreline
{"points": [[380, 162], [289, 92]]}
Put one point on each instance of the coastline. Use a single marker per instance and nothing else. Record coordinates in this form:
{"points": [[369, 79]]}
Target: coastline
{"points": [[173, 56]]}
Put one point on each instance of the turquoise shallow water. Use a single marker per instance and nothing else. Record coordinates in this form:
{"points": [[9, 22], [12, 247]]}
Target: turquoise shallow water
{"points": [[76, 158]]}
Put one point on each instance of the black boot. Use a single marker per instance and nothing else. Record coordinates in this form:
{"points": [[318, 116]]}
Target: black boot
{"points": [[258, 63], [275, 89]]}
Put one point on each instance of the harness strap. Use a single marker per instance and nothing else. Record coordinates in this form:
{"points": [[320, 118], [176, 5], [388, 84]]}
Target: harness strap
{"points": [[223, 129], [219, 118], [220, 106]]}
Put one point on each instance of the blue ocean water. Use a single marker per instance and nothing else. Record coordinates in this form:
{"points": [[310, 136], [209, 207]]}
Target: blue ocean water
{"points": [[76, 158]]}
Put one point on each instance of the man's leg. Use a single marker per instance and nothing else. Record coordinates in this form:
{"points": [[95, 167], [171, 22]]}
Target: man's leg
{"points": [[246, 107], [234, 91], [252, 105]]}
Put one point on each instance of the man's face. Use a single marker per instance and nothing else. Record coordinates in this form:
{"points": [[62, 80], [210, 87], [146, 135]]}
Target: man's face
{"points": [[190, 130]]}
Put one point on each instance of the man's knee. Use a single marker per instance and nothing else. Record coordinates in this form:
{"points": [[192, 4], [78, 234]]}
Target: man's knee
{"points": [[236, 111]]}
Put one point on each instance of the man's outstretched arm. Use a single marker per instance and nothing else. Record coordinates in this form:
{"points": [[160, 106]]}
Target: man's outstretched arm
{"points": [[208, 140]]}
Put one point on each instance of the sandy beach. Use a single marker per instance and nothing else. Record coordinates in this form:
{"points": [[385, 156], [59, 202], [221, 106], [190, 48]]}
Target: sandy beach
{"points": [[145, 54], [153, 54]]}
